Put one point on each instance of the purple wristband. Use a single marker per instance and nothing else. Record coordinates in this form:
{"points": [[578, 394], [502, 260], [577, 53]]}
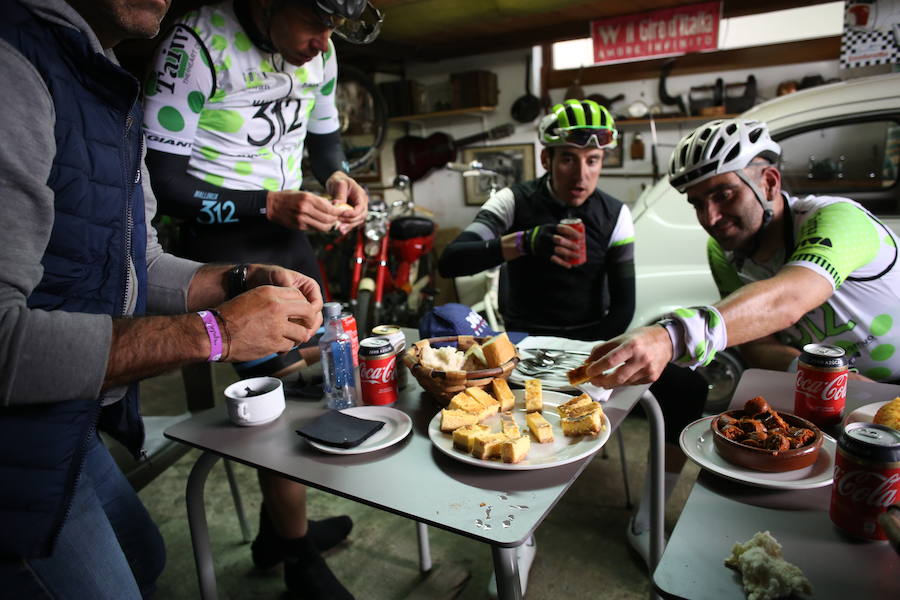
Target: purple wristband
{"points": [[215, 336], [519, 236]]}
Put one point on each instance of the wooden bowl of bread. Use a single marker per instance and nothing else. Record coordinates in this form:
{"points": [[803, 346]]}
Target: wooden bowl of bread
{"points": [[760, 438], [445, 366]]}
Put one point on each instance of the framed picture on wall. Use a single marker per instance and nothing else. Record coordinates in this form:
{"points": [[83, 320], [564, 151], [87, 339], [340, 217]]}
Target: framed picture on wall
{"points": [[513, 163], [614, 157]]}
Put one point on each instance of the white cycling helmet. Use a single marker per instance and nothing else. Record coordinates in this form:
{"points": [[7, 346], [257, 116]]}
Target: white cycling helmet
{"points": [[723, 146]]}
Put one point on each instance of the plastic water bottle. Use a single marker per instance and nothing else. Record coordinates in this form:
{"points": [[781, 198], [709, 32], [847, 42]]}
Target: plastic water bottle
{"points": [[337, 360]]}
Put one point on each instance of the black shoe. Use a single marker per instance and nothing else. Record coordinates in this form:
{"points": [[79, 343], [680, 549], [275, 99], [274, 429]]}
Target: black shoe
{"points": [[268, 549], [311, 579]]}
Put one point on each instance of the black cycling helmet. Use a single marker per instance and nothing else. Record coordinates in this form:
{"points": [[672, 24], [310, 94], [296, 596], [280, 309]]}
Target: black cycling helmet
{"points": [[355, 21]]}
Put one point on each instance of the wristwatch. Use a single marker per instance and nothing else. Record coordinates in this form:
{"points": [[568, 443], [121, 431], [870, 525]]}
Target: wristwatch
{"points": [[236, 280]]}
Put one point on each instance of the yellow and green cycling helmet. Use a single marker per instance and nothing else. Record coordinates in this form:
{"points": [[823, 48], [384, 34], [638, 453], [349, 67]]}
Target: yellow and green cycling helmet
{"points": [[579, 123]]}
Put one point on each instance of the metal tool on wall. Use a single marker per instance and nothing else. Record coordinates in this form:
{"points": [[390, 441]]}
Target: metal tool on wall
{"points": [[664, 96]]}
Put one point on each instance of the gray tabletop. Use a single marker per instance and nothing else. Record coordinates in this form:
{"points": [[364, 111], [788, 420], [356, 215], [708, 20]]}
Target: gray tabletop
{"points": [[411, 478], [719, 513]]}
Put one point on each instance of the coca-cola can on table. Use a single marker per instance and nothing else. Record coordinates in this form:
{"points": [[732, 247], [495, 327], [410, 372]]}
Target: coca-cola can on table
{"points": [[348, 321], [377, 371], [578, 225], [866, 478], [398, 339], [821, 387]]}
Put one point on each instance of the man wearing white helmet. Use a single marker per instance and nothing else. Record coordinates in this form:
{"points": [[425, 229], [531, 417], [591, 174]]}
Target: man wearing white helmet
{"points": [[790, 270]]}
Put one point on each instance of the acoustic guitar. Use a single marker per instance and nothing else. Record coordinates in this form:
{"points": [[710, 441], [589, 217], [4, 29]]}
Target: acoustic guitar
{"points": [[416, 156]]}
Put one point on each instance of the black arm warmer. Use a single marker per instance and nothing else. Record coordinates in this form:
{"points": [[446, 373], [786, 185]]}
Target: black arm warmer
{"points": [[183, 195], [469, 254], [326, 155], [620, 280]]}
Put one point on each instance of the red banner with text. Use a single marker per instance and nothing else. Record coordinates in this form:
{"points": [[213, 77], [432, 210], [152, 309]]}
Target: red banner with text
{"points": [[666, 32]]}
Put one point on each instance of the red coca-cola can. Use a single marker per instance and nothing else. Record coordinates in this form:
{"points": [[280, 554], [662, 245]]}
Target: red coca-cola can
{"points": [[398, 339], [820, 391], [577, 225], [377, 371], [348, 321], [866, 478]]}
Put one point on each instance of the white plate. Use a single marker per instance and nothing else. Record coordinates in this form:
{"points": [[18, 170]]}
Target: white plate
{"points": [[557, 380], [397, 426], [561, 451], [864, 414], [697, 442]]}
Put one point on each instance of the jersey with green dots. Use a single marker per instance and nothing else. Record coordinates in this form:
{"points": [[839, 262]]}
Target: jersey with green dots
{"points": [[240, 113], [844, 243]]}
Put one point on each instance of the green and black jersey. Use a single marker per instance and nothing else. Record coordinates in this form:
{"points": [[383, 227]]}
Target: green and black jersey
{"points": [[844, 243]]}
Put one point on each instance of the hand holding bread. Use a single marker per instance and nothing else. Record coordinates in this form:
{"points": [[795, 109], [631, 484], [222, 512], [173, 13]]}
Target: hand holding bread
{"points": [[635, 357]]}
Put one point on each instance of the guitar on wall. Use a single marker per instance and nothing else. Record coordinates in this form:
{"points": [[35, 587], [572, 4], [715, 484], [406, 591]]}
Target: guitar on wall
{"points": [[416, 156]]}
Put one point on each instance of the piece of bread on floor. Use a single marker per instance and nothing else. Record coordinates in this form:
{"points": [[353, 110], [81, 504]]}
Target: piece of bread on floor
{"points": [[534, 400], [576, 406], [509, 426], [464, 437], [514, 450], [583, 423], [579, 375], [487, 445], [452, 419], [503, 394], [488, 402], [498, 350], [540, 427]]}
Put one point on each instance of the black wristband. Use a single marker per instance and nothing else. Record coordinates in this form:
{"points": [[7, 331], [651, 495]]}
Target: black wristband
{"points": [[236, 280]]}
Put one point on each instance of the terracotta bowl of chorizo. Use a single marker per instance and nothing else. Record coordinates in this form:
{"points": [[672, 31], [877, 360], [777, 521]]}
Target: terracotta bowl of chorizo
{"points": [[760, 438]]}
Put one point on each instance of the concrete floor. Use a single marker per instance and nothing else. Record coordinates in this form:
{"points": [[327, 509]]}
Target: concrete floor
{"points": [[582, 549]]}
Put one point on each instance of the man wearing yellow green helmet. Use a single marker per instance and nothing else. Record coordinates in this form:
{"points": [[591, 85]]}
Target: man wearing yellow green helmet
{"points": [[519, 227]]}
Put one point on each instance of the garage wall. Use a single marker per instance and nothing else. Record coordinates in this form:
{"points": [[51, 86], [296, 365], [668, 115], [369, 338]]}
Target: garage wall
{"points": [[442, 191]]}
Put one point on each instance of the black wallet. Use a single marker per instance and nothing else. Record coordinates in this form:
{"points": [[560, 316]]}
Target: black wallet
{"points": [[335, 428]]}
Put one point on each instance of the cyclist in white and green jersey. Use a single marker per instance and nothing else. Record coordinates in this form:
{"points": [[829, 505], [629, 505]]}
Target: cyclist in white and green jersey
{"points": [[238, 89], [791, 270]]}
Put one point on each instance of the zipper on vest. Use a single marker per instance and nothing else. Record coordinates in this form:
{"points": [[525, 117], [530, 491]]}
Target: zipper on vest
{"points": [[129, 213]]}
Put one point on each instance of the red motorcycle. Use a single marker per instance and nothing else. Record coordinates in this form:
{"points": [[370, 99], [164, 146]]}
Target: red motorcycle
{"points": [[392, 278]]}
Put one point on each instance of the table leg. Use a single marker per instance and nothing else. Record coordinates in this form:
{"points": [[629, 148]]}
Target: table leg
{"points": [[238, 503], [506, 570], [657, 481], [424, 547], [196, 509]]}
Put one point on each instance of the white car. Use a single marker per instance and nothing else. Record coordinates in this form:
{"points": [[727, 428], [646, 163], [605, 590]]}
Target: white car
{"points": [[841, 139]]}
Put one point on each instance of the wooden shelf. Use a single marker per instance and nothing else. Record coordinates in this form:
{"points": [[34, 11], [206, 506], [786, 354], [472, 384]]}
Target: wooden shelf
{"points": [[475, 111], [671, 120]]}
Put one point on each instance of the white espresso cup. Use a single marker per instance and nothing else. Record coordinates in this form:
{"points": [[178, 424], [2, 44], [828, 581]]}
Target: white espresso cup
{"points": [[255, 401]]}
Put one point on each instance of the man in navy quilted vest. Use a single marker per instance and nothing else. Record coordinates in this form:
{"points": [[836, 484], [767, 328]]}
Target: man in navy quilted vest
{"points": [[80, 273]]}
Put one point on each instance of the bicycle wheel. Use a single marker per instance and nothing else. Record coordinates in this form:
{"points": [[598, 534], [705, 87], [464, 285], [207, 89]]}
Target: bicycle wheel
{"points": [[363, 117]]}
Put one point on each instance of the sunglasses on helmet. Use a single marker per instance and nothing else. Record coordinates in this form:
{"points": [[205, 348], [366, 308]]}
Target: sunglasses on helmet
{"points": [[356, 31], [584, 137]]}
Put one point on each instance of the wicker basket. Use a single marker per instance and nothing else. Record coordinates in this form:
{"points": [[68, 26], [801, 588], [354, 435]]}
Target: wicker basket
{"points": [[443, 385]]}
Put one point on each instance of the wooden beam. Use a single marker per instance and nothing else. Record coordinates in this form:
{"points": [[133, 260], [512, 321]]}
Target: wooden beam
{"points": [[828, 48]]}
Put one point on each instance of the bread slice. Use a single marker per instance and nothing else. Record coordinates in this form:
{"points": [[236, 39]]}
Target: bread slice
{"points": [[540, 427], [475, 357], [514, 450], [579, 375], [452, 419], [576, 406], [487, 445], [587, 423], [503, 394], [464, 437], [534, 401], [488, 402], [498, 350], [509, 426]]}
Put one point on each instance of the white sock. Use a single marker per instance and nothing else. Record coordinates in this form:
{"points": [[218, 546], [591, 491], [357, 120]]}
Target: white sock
{"points": [[642, 514]]}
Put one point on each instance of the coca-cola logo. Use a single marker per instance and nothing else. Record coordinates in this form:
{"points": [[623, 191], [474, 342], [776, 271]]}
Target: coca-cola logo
{"points": [[831, 390], [378, 373], [867, 488]]}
